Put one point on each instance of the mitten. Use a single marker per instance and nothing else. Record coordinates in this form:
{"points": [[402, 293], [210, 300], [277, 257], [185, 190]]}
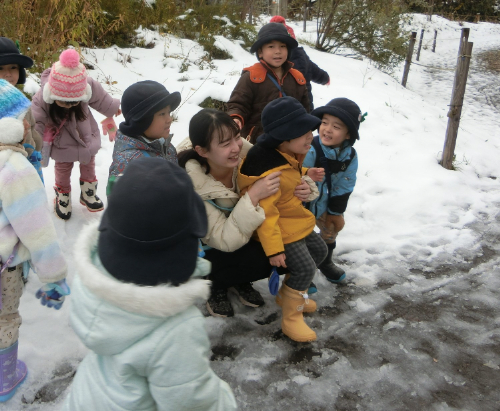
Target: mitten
{"points": [[109, 128], [274, 282], [52, 294]]}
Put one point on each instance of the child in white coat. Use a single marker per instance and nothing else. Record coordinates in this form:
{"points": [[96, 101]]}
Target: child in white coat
{"points": [[135, 293]]}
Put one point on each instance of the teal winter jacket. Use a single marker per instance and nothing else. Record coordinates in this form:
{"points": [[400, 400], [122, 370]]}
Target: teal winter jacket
{"points": [[149, 347], [333, 199]]}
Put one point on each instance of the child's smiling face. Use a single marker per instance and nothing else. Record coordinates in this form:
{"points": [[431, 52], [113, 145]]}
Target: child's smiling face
{"points": [[160, 126], [274, 53], [299, 145], [224, 151], [10, 72], [332, 131]]}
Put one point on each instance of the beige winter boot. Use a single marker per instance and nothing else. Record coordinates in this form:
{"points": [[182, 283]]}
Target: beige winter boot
{"points": [[292, 322], [310, 305]]}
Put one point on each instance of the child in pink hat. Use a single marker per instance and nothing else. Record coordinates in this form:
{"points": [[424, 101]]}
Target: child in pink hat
{"points": [[63, 106]]}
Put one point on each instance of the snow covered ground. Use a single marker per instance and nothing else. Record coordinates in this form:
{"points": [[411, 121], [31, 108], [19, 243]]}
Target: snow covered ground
{"points": [[417, 326]]}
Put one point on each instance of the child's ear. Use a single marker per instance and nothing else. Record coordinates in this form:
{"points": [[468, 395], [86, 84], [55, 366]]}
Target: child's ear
{"points": [[259, 53], [348, 136], [201, 151]]}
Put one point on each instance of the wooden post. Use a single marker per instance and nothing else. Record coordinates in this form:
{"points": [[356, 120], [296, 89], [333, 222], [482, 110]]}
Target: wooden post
{"points": [[411, 46], [434, 42], [305, 17], [250, 14], [420, 44], [431, 7], [457, 99], [478, 18], [283, 8]]}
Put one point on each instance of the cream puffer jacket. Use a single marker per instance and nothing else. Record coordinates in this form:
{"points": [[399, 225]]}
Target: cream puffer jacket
{"points": [[227, 230]]}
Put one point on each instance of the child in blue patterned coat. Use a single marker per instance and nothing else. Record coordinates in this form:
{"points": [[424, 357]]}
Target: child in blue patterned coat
{"points": [[146, 106], [333, 150]]}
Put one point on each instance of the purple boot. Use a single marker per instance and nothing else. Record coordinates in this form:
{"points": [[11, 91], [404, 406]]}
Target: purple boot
{"points": [[12, 372]]}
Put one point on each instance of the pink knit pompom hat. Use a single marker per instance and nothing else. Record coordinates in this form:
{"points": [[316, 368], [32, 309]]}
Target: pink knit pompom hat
{"points": [[280, 19], [67, 80]]}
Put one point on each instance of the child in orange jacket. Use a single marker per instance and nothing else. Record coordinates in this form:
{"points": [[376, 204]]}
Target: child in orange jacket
{"points": [[271, 78], [287, 234]]}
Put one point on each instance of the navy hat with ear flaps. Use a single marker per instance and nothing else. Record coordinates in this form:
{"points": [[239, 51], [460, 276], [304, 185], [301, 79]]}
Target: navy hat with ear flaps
{"points": [[285, 119], [141, 101], [270, 32], [9, 54], [149, 232], [347, 110]]}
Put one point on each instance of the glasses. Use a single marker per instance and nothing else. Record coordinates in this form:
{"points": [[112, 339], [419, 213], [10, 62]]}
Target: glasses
{"points": [[69, 103]]}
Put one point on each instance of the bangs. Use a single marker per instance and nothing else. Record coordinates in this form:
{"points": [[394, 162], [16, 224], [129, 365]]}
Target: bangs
{"points": [[225, 129]]}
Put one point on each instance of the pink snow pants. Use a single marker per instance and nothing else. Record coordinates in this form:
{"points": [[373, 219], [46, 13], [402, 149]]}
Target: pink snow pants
{"points": [[63, 174]]}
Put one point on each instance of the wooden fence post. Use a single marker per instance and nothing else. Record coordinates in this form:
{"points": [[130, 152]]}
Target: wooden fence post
{"points": [[457, 99], [434, 42], [411, 46], [420, 44], [305, 17], [478, 18]]}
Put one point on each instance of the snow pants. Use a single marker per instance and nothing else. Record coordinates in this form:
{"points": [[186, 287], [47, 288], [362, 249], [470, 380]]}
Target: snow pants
{"points": [[12, 288]]}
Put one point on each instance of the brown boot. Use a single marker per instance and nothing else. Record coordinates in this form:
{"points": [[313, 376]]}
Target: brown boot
{"points": [[292, 322]]}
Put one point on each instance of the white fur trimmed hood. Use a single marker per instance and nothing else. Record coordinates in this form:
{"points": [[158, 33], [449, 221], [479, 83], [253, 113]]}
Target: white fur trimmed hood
{"points": [[158, 301], [11, 130]]}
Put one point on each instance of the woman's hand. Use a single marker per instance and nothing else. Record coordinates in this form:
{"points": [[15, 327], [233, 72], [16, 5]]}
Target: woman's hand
{"points": [[278, 260], [302, 191], [264, 187], [316, 174]]}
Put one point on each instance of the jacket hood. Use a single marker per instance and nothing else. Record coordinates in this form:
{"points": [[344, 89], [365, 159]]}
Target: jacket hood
{"points": [[109, 315]]}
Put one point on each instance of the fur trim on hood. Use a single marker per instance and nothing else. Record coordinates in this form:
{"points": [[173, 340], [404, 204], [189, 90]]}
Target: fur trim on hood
{"points": [[159, 301]]}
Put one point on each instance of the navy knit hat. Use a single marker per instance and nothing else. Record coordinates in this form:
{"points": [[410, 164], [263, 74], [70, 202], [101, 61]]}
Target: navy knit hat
{"points": [[285, 119], [9, 54], [141, 101], [149, 232], [347, 110], [270, 32]]}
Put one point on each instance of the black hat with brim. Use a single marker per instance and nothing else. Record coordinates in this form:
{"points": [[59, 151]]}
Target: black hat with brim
{"points": [[344, 109], [270, 32], [285, 119], [141, 101], [9, 54], [150, 231]]}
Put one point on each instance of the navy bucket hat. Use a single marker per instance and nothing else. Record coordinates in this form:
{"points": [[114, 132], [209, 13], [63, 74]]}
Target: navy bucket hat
{"points": [[285, 119], [141, 101], [346, 110], [270, 32], [150, 229], [9, 54]]}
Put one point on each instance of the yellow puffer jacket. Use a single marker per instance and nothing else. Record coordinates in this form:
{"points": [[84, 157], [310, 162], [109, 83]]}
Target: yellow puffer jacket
{"points": [[287, 220]]}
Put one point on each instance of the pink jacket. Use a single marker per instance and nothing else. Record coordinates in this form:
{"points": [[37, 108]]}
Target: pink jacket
{"points": [[77, 141]]}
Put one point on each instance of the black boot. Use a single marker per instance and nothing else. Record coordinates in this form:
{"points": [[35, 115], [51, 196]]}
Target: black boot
{"points": [[332, 273]]}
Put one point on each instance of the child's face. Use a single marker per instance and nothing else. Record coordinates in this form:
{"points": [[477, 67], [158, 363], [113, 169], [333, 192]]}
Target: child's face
{"points": [[274, 53], [10, 72], [332, 131], [160, 126], [223, 154], [300, 145]]}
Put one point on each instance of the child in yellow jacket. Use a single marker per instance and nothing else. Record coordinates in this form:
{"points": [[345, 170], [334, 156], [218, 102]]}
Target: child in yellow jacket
{"points": [[287, 234]]}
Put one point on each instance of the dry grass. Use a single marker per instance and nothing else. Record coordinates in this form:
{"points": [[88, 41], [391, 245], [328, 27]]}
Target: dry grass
{"points": [[490, 60]]}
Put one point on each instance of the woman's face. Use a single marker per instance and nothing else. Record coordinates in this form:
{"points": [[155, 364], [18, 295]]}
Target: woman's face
{"points": [[225, 153]]}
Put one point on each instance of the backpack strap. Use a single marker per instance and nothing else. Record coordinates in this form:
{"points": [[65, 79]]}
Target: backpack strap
{"points": [[330, 166], [283, 94]]}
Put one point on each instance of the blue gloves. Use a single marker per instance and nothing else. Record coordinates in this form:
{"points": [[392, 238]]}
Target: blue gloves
{"points": [[274, 282], [52, 294]]}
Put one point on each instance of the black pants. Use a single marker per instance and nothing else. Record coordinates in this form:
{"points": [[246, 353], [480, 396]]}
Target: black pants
{"points": [[248, 263]]}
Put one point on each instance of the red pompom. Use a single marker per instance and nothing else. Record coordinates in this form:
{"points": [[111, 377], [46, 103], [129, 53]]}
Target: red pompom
{"points": [[69, 58]]}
